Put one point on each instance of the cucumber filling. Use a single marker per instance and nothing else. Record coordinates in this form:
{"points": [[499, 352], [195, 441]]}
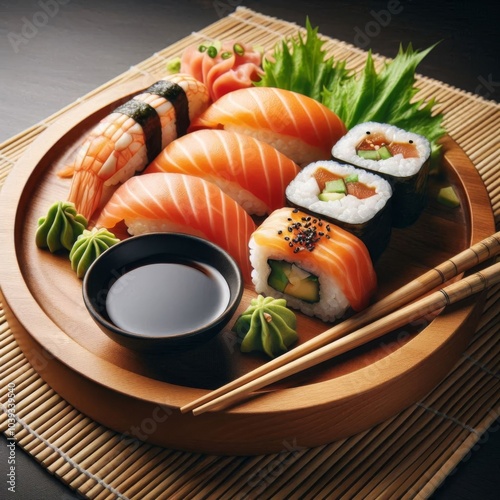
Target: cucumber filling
{"points": [[288, 278], [381, 153]]}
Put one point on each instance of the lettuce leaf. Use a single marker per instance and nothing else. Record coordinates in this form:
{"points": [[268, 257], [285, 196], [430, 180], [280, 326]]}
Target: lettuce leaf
{"points": [[386, 96]]}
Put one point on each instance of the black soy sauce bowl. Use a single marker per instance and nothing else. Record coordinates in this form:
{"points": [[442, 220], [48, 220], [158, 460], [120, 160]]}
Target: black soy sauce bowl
{"points": [[154, 248]]}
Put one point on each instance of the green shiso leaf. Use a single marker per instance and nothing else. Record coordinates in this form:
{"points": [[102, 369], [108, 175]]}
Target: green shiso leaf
{"points": [[301, 65], [386, 96]]}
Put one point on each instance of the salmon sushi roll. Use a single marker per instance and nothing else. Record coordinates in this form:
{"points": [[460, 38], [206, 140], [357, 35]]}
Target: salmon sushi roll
{"points": [[319, 268], [354, 199], [399, 156]]}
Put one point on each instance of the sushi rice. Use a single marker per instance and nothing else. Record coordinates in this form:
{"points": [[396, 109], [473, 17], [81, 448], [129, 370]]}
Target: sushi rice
{"points": [[303, 191], [407, 174], [332, 304], [397, 166]]}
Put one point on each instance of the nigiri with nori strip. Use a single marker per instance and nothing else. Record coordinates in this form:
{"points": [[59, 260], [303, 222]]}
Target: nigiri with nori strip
{"points": [[319, 268], [300, 127], [251, 171], [160, 202], [126, 140]]}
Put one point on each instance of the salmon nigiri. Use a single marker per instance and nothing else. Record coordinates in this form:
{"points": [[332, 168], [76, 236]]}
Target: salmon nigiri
{"points": [[185, 204], [320, 268], [251, 171], [300, 127]]}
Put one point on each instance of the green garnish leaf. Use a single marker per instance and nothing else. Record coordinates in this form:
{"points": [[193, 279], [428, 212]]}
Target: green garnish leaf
{"points": [[385, 96], [301, 65]]}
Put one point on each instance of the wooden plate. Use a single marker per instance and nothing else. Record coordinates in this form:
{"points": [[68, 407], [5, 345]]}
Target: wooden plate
{"points": [[140, 395]]}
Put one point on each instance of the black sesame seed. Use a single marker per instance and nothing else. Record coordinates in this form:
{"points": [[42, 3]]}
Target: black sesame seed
{"points": [[280, 232], [411, 142]]}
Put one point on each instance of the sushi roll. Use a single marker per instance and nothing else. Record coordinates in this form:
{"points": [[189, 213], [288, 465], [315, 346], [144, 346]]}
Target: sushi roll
{"points": [[319, 268], [399, 156], [354, 199]]}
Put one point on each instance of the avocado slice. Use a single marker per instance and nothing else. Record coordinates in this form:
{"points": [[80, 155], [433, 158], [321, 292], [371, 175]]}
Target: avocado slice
{"points": [[448, 197], [382, 153], [335, 186], [278, 277], [351, 178], [292, 280], [330, 196]]}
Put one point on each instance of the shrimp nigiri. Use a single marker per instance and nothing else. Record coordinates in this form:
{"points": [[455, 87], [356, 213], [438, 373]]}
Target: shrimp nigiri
{"points": [[300, 127], [252, 172], [126, 140], [185, 204]]}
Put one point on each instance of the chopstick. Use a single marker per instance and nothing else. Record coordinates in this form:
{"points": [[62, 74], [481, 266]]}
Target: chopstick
{"points": [[444, 297], [463, 261]]}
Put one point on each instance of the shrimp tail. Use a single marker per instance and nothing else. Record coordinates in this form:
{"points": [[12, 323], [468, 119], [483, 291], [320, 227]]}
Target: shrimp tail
{"points": [[86, 191], [66, 172]]}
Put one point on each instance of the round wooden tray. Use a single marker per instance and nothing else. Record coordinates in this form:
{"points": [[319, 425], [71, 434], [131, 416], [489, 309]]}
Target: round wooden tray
{"points": [[141, 395]]}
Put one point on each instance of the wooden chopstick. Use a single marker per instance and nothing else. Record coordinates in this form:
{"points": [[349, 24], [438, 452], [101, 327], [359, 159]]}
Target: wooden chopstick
{"points": [[446, 296], [463, 261]]}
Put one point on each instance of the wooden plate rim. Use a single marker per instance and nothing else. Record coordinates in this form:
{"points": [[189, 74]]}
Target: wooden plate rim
{"points": [[18, 297]]}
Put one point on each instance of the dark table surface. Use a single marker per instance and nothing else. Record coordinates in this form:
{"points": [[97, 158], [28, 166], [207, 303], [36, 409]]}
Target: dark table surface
{"points": [[54, 51]]}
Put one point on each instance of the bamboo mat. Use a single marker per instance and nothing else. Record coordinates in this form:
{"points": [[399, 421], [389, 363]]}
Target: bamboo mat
{"points": [[407, 456]]}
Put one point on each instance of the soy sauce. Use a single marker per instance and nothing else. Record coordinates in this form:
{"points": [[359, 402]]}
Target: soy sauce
{"points": [[167, 298]]}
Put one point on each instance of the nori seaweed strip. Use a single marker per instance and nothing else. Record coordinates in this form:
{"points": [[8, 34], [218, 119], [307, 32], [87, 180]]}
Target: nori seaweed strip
{"points": [[147, 117], [175, 94]]}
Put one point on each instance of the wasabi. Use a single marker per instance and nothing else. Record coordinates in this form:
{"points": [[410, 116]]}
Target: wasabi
{"points": [[267, 325], [88, 246], [60, 228]]}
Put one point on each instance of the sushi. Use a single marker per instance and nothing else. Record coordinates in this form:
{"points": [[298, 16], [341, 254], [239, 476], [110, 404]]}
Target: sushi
{"points": [[354, 199], [300, 127], [319, 268], [126, 140], [401, 157], [250, 171], [166, 202]]}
